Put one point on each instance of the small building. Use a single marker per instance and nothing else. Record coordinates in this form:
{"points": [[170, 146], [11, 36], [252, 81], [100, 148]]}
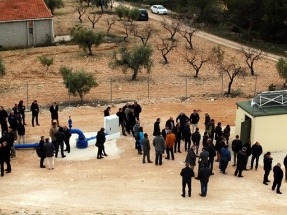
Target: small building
{"points": [[264, 119], [25, 23]]}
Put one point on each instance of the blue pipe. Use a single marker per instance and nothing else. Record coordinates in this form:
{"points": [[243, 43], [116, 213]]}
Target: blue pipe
{"points": [[26, 146], [82, 142]]}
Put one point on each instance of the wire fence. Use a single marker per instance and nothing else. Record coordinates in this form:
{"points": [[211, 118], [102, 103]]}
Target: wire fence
{"points": [[118, 89]]}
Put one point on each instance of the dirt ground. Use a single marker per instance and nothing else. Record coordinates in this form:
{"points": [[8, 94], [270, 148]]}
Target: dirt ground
{"points": [[120, 183]]}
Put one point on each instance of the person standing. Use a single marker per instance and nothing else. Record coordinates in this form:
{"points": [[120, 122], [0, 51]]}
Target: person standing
{"points": [[52, 133], [203, 158], [182, 119], [49, 153], [186, 174], [212, 153], [156, 127], [267, 161], [191, 157], [136, 133], [285, 164], [2, 160], [170, 123], [120, 114], [256, 151], [42, 152], [225, 157], [101, 139], [107, 111], [226, 133], [206, 121], [21, 131], [35, 112], [278, 176], [203, 175], [137, 110], [70, 123], [3, 121], [159, 146], [236, 147], [241, 162], [139, 139], [68, 135], [177, 132], [195, 137], [6, 152], [194, 119], [54, 113], [60, 138], [248, 152], [170, 140], [210, 129], [187, 136], [146, 148], [21, 109]]}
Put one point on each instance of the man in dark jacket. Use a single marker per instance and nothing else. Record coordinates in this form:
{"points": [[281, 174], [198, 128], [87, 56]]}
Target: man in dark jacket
{"points": [[203, 158], [203, 175], [146, 148], [285, 164], [49, 153], [121, 116], [236, 147], [60, 138], [241, 162], [187, 136], [42, 152], [248, 151], [137, 110], [256, 151], [156, 127], [212, 154], [278, 176], [2, 159], [182, 119], [35, 112], [159, 146], [5, 154], [267, 161], [3, 120], [206, 120], [68, 135], [54, 113], [170, 124], [191, 157], [107, 111], [194, 119], [186, 174], [101, 139], [196, 137]]}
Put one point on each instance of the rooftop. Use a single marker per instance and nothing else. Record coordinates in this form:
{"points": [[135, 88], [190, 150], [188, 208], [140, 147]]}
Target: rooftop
{"points": [[13, 10], [257, 111]]}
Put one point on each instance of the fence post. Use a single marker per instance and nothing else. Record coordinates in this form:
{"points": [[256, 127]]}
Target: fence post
{"points": [[221, 84], [27, 96], [69, 90], [186, 86], [148, 87], [111, 89], [255, 87]]}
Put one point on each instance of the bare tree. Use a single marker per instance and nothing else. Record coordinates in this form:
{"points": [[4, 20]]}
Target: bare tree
{"points": [[196, 60], [81, 11], [172, 28], [94, 18], [251, 55], [232, 71], [145, 34], [110, 23], [187, 32], [126, 29], [165, 47]]}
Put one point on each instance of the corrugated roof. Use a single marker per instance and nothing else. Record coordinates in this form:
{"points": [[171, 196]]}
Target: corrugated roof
{"points": [[12, 10], [257, 111]]}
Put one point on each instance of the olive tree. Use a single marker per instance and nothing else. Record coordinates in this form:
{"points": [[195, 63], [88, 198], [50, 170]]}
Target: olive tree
{"points": [[54, 4], [46, 61], [78, 82], [135, 59], [87, 38], [281, 67]]}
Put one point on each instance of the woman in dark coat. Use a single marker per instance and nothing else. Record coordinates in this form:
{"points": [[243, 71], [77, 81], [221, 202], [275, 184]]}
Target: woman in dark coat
{"points": [[42, 152], [101, 139]]}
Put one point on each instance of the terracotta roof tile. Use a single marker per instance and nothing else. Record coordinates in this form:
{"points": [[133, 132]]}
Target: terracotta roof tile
{"points": [[23, 9]]}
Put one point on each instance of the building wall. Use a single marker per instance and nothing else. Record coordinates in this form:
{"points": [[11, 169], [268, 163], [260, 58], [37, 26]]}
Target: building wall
{"points": [[19, 34], [270, 131]]}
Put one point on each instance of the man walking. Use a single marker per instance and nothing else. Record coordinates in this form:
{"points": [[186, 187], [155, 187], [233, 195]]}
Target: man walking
{"points": [[203, 158], [186, 174], [203, 175], [146, 148], [159, 145], [120, 114], [195, 137], [267, 160], [191, 157], [224, 159], [256, 151], [278, 176], [194, 119]]}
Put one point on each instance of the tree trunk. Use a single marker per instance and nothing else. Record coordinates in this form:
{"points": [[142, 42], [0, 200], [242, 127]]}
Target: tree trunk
{"points": [[134, 76], [165, 59], [196, 73], [90, 50], [229, 86]]}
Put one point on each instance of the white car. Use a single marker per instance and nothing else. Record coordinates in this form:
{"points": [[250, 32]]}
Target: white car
{"points": [[159, 9]]}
